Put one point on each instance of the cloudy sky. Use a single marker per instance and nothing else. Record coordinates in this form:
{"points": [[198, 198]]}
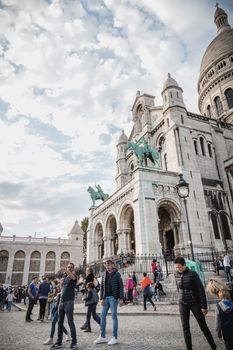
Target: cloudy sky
{"points": [[69, 72]]}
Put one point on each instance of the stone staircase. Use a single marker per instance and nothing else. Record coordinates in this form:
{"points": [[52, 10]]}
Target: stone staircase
{"points": [[169, 286]]}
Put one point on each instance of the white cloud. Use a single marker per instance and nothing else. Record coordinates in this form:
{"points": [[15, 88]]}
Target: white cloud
{"points": [[69, 72]]}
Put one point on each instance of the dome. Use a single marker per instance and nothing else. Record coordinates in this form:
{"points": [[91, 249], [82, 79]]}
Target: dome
{"points": [[219, 48], [123, 138], [170, 82], [219, 12]]}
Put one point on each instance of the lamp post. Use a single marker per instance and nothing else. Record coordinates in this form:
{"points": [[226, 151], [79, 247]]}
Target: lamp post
{"points": [[183, 192]]}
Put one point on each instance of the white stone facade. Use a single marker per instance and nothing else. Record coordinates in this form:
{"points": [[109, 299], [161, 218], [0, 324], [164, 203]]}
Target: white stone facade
{"points": [[21, 258], [145, 214]]}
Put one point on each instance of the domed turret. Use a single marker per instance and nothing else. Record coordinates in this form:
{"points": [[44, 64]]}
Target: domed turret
{"points": [[123, 138], [121, 160], [170, 82], [172, 94], [215, 86], [221, 20]]}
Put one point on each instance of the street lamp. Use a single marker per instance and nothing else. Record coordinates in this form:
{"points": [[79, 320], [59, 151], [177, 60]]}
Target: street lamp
{"points": [[183, 192]]}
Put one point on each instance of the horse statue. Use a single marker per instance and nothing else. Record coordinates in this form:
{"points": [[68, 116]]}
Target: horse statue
{"points": [[143, 151], [95, 195]]}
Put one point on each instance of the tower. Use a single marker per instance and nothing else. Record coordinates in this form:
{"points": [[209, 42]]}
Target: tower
{"points": [[121, 161]]}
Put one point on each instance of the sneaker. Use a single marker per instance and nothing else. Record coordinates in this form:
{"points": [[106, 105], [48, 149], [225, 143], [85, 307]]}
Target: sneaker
{"points": [[100, 340], [49, 341], [67, 337], [83, 326], [56, 346], [113, 341], [73, 346], [154, 308], [87, 330]]}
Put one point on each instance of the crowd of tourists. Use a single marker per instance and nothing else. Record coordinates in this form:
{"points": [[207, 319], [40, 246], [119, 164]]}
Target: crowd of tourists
{"points": [[56, 300]]}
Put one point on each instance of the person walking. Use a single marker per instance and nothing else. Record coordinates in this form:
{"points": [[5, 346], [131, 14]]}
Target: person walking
{"points": [[44, 289], [191, 298], [9, 298], [111, 290], [32, 294], [129, 284], [147, 294], [66, 307], [227, 267], [54, 312], [91, 301], [89, 278]]}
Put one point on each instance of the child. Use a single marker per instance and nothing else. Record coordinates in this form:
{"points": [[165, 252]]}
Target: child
{"points": [[135, 294], [9, 300], [91, 301], [224, 318], [224, 310]]}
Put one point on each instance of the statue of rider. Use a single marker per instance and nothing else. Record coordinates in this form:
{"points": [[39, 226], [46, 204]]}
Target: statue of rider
{"points": [[146, 146], [100, 191]]}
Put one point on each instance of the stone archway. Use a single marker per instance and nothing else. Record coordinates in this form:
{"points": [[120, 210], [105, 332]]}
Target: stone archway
{"points": [[111, 229], [99, 239], [127, 230], [169, 221]]}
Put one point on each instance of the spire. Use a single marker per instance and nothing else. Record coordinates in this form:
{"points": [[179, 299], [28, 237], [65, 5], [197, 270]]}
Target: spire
{"points": [[221, 19]]}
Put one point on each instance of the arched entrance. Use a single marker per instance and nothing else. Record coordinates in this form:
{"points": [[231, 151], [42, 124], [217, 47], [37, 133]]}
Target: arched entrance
{"points": [[100, 241], [128, 242], [112, 233], [168, 228]]}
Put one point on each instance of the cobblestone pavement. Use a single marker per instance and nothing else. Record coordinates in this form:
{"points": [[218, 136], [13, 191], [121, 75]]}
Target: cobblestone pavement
{"points": [[141, 332]]}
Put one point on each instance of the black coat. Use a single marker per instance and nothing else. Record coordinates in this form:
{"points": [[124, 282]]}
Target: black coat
{"points": [[116, 283], [190, 288]]}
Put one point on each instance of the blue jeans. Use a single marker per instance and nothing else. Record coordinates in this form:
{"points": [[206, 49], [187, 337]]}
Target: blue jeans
{"points": [[109, 302], [66, 308], [54, 321], [227, 270]]}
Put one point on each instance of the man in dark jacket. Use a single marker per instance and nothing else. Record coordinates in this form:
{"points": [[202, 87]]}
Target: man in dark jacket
{"points": [[111, 290], [44, 289], [191, 297]]}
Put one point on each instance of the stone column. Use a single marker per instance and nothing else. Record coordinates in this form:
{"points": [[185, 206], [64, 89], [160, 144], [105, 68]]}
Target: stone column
{"points": [[26, 268], [120, 236], [42, 264], [58, 261], [107, 246], [9, 267], [125, 240]]}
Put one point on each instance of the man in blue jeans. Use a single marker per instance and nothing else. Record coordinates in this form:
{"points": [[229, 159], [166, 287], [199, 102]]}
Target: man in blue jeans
{"points": [[66, 307], [111, 291]]}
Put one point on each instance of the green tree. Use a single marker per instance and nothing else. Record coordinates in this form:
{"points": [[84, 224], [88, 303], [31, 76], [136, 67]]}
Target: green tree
{"points": [[84, 226]]}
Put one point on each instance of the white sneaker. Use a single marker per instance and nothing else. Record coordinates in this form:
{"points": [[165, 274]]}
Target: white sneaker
{"points": [[113, 341], [67, 337], [100, 340], [49, 341]]}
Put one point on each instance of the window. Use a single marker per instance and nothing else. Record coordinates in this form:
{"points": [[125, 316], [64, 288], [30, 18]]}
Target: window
{"points": [[218, 105], [210, 150], [229, 97], [225, 226], [177, 94], [195, 146], [208, 110], [168, 123], [165, 161], [182, 119], [202, 146], [170, 94], [215, 226]]}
